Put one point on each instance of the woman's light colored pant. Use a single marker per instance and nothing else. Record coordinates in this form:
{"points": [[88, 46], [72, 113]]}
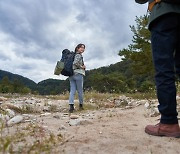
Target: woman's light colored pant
{"points": [[76, 83]]}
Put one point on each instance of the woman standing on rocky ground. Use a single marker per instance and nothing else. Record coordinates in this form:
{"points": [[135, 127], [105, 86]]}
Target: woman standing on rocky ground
{"points": [[76, 81]]}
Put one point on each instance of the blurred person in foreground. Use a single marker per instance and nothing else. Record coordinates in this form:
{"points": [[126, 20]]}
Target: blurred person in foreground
{"points": [[164, 25]]}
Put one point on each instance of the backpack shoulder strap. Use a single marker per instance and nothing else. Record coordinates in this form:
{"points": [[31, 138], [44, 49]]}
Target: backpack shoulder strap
{"points": [[152, 3]]}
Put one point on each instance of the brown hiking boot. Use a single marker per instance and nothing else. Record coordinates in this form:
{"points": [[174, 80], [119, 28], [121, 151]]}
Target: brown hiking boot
{"points": [[169, 130]]}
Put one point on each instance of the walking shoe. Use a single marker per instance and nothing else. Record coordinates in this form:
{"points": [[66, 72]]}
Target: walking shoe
{"points": [[169, 130], [81, 107], [71, 108]]}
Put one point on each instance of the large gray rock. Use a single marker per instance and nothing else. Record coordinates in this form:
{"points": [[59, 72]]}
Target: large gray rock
{"points": [[74, 122], [15, 120]]}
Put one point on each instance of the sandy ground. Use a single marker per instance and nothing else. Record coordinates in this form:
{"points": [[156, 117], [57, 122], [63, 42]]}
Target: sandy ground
{"points": [[113, 131]]}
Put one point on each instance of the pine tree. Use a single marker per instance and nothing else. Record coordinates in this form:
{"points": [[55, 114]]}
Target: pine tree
{"points": [[139, 52], [140, 55]]}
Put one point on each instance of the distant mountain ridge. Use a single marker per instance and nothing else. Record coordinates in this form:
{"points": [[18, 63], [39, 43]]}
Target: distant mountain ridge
{"points": [[24, 80], [49, 86]]}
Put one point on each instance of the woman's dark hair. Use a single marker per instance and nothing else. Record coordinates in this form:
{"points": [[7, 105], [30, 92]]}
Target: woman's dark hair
{"points": [[79, 46]]}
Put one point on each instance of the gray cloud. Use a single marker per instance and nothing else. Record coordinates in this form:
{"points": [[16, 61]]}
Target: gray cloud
{"points": [[33, 33], [3, 57]]}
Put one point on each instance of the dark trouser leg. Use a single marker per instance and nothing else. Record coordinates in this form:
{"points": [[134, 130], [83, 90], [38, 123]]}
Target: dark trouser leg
{"points": [[164, 38], [177, 53]]}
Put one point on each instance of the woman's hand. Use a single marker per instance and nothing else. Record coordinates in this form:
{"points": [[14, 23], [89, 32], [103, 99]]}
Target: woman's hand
{"points": [[83, 67]]}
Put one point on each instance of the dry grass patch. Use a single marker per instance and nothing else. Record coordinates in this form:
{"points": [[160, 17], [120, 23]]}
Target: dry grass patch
{"points": [[25, 109], [138, 95], [31, 139]]}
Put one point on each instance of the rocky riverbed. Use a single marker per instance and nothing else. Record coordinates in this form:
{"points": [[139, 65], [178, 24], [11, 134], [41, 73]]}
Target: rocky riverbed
{"points": [[113, 125]]}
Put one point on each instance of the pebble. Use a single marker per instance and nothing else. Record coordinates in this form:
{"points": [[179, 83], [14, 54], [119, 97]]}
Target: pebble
{"points": [[178, 97], [76, 122], [10, 113], [74, 117], [147, 105], [137, 104], [30, 101], [56, 116], [66, 114], [128, 107], [154, 112], [4, 117], [27, 120], [62, 127], [45, 114]]}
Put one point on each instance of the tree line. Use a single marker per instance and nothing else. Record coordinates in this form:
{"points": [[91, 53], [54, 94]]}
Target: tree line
{"points": [[15, 86]]}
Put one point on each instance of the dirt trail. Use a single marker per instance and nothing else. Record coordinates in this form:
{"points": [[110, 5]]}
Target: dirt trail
{"points": [[114, 131]]}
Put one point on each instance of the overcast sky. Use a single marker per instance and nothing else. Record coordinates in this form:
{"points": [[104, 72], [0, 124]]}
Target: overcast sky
{"points": [[34, 32]]}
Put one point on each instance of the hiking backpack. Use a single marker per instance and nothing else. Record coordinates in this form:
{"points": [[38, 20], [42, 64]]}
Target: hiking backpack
{"points": [[67, 59], [65, 65]]}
